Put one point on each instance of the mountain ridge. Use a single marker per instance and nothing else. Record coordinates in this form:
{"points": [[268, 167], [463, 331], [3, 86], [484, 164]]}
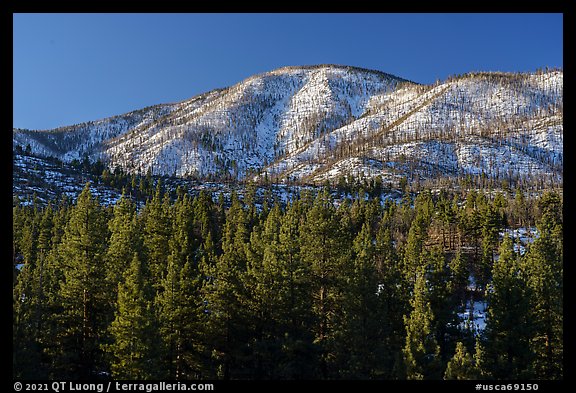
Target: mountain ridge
{"points": [[303, 122]]}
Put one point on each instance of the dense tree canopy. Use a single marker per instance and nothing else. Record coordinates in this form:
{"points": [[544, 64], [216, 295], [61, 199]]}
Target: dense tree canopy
{"points": [[321, 287]]}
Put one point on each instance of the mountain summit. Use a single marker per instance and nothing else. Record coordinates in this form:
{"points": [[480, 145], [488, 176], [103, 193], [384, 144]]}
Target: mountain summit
{"points": [[313, 123]]}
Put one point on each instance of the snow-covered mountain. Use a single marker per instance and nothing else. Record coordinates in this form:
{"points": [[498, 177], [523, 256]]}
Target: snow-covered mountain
{"points": [[313, 123]]}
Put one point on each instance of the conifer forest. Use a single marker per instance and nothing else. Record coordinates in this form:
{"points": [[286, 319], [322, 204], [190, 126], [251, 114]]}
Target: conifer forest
{"points": [[212, 200], [330, 286]]}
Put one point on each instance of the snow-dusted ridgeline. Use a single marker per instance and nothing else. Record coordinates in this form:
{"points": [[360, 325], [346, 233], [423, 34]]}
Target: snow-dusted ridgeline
{"points": [[321, 122]]}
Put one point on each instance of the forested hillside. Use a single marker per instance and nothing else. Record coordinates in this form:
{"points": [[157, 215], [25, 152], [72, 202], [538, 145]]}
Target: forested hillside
{"points": [[316, 288]]}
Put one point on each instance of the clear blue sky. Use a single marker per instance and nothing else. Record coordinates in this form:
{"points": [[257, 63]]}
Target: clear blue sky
{"points": [[70, 68]]}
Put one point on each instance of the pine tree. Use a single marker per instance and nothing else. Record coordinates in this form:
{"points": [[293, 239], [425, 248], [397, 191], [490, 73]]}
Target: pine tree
{"points": [[443, 302], [470, 226], [87, 310], [266, 284], [262, 283], [205, 217], [292, 297], [393, 303], [461, 366], [60, 219], [45, 228], [48, 276], [28, 244], [508, 325], [481, 368], [178, 313], [134, 331], [447, 218], [544, 272], [180, 306], [228, 324], [491, 222], [520, 209], [31, 294], [417, 236], [26, 322], [157, 224], [125, 240], [421, 352], [324, 251], [362, 314]]}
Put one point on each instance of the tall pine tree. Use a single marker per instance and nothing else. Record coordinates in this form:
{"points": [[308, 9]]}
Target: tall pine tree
{"points": [[179, 302], [87, 311], [135, 346], [421, 352], [508, 324], [324, 251], [125, 240], [363, 318], [544, 268], [228, 324], [157, 224]]}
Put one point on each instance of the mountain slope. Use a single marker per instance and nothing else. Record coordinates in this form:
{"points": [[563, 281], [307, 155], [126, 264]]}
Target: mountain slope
{"points": [[323, 122], [496, 124], [75, 141]]}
